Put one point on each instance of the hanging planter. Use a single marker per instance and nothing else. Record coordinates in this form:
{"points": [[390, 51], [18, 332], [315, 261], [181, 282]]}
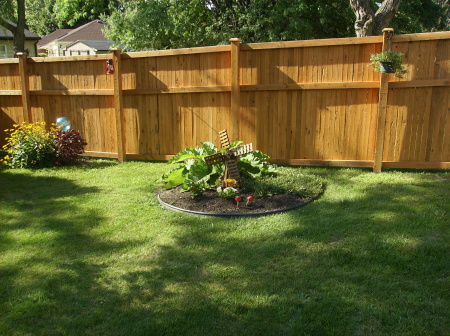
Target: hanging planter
{"points": [[388, 62], [387, 67]]}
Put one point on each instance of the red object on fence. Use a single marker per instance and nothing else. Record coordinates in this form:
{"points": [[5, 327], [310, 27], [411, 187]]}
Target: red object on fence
{"points": [[109, 67]]}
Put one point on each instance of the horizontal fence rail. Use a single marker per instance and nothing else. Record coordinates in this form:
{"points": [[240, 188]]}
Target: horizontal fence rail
{"points": [[314, 102]]}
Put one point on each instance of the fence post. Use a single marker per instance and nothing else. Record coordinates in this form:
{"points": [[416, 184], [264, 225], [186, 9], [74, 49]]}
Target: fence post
{"points": [[118, 105], [382, 106], [235, 88], [25, 86]]}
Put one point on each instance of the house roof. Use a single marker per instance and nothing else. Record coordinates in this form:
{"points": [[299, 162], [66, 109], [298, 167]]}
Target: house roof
{"points": [[96, 45], [91, 31], [53, 36], [6, 34]]}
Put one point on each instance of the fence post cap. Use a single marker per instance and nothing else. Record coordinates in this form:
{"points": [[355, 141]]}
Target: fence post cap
{"points": [[388, 30], [235, 39]]}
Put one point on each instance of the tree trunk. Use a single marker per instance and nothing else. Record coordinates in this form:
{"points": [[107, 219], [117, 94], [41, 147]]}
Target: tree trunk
{"points": [[370, 23], [19, 36], [18, 30]]}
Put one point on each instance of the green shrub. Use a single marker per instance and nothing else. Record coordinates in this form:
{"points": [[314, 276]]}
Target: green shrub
{"points": [[29, 146], [32, 146], [68, 147]]}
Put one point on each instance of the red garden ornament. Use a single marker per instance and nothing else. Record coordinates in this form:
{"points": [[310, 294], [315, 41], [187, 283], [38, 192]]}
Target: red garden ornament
{"points": [[109, 67], [238, 199]]}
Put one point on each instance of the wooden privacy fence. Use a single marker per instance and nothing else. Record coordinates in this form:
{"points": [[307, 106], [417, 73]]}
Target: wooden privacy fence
{"points": [[313, 102]]}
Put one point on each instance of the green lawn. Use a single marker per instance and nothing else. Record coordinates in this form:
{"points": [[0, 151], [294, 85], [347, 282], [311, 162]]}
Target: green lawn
{"points": [[89, 251]]}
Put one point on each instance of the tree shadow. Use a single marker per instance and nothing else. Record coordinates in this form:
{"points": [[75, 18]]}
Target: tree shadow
{"points": [[324, 269], [52, 266], [331, 270]]}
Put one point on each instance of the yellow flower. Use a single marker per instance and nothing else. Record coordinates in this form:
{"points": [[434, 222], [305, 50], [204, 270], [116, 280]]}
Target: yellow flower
{"points": [[232, 181]]}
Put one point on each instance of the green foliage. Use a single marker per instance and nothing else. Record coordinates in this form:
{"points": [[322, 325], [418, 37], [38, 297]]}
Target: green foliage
{"points": [[195, 176], [389, 56], [255, 165], [32, 146], [40, 16], [191, 23], [415, 16], [29, 146], [228, 192], [77, 12], [192, 171]]}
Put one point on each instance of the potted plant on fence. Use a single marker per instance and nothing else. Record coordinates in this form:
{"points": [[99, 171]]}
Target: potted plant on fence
{"points": [[388, 62]]}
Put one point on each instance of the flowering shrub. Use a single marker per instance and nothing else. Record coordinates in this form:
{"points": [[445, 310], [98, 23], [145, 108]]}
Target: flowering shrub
{"points": [[68, 146], [29, 146], [32, 146]]}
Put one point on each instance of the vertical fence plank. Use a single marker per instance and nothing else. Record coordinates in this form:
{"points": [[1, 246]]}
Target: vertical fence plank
{"points": [[24, 87], [118, 105], [235, 88], [382, 106]]}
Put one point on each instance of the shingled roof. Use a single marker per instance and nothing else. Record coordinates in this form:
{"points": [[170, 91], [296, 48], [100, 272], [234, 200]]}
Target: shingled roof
{"points": [[6, 34], [53, 36], [90, 31], [96, 45]]}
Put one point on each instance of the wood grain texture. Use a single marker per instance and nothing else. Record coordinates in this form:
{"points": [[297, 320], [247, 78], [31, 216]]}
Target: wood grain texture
{"points": [[302, 102]]}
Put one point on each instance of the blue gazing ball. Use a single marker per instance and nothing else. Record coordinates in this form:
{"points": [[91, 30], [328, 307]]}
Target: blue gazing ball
{"points": [[64, 124]]}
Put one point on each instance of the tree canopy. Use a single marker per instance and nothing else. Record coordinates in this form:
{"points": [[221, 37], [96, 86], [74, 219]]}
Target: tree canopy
{"points": [[161, 24]]}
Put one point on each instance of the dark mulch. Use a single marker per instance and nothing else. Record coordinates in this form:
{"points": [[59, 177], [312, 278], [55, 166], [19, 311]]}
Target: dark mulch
{"points": [[209, 202]]}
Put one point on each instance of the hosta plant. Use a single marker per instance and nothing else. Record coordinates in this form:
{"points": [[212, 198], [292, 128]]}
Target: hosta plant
{"points": [[195, 176]]}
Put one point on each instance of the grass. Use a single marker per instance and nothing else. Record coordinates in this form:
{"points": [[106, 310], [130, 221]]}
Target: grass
{"points": [[89, 251]]}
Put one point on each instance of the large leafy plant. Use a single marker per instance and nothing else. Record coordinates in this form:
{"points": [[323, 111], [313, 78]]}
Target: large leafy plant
{"points": [[195, 176]]}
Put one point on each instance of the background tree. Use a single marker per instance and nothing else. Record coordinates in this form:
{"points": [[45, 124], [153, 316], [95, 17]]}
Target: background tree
{"points": [[40, 15], [74, 13], [162, 24], [369, 22], [416, 16]]}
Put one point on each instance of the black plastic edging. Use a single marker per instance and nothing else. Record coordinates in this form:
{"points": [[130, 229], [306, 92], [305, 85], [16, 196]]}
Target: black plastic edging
{"points": [[252, 214]]}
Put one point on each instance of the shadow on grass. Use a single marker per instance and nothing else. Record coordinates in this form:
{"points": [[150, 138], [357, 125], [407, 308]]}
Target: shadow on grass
{"points": [[48, 271], [372, 262]]}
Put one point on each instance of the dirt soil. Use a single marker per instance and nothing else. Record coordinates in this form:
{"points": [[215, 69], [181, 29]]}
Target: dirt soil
{"points": [[209, 202]]}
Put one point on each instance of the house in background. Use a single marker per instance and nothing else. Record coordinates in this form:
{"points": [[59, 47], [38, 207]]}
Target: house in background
{"points": [[88, 48], [7, 43], [87, 39]]}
